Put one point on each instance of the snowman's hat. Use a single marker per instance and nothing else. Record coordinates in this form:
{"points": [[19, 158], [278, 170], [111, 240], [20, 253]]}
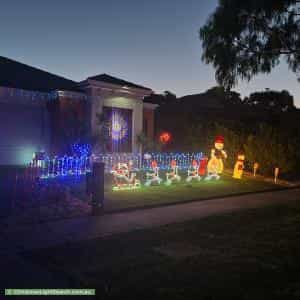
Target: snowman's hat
{"points": [[219, 139]]}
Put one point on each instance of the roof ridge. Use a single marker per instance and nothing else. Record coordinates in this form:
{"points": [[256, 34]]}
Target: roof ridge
{"points": [[36, 68], [118, 81]]}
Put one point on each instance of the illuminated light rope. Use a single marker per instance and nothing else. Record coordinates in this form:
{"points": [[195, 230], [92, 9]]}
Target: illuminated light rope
{"points": [[183, 160], [124, 178], [62, 166], [80, 165]]}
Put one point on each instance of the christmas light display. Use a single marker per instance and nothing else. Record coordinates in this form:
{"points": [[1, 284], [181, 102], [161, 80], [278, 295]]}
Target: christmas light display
{"points": [[147, 156], [119, 127], [193, 172], [153, 176], [80, 165], [79, 149], [61, 166], [183, 160], [30, 95], [112, 159], [239, 166], [255, 168], [215, 165], [124, 178], [173, 175], [203, 166], [165, 137], [143, 162], [276, 173]]}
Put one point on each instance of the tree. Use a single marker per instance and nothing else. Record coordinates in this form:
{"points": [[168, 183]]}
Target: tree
{"points": [[166, 98], [169, 97], [272, 100], [244, 38], [225, 95], [268, 147]]}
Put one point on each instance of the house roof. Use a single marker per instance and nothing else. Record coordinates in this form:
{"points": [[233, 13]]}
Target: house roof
{"points": [[117, 81], [21, 76], [18, 75]]}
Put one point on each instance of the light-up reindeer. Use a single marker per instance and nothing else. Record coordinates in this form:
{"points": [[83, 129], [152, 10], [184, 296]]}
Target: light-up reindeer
{"points": [[153, 176], [173, 175], [123, 178], [193, 172]]}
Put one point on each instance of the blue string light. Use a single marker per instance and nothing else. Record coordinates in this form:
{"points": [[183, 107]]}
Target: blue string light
{"points": [[79, 165], [79, 149]]}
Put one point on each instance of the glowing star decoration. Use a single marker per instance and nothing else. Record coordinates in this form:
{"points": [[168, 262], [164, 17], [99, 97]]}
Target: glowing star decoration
{"points": [[119, 127], [173, 175], [165, 137], [255, 167], [153, 176], [239, 166], [193, 172], [215, 165], [123, 178]]}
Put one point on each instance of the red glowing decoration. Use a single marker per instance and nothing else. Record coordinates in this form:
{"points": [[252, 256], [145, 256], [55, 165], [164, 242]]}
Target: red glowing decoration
{"points": [[165, 137]]}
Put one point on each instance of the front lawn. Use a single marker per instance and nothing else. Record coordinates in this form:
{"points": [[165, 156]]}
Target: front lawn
{"points": [[253, 254], [182, 192]]}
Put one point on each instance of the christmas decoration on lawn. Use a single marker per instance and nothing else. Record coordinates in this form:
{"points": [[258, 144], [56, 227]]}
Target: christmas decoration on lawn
{"points": [[193, 172], [124, 178], [239, 166], [215, 165], [276, 173], [173, 175], [255, 167], [153, 176], [143, 161], [165, 137], [203, 166]]}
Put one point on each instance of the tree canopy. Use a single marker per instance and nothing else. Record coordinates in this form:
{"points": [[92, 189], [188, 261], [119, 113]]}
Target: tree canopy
{"points": [[271, 100], [244, 38]]}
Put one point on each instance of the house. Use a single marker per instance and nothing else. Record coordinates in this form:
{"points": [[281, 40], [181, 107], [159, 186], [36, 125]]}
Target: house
{"points": [[43, 111]]}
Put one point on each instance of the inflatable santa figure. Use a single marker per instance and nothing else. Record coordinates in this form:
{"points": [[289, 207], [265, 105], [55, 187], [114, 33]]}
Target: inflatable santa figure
{"points": [[215, 165]]}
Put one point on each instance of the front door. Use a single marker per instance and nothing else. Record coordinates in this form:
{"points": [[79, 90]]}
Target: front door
{"points": [[117, 129]]}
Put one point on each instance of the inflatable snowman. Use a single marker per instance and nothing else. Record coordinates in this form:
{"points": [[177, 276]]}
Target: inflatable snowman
{"points": [[215, 165]]}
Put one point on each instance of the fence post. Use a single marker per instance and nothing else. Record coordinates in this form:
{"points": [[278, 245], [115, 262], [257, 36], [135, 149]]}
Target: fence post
{"points": [[96, 182]]}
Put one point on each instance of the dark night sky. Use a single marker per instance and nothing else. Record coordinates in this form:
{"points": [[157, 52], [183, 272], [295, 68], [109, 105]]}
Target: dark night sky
{"points": [[154, 43]]}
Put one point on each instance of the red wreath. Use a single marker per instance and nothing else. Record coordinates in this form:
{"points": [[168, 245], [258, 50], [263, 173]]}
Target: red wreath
{"points": [[165, 137]]}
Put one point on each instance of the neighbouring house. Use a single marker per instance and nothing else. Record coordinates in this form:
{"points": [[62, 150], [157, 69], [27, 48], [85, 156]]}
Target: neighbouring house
{"points": [[43, 111]]}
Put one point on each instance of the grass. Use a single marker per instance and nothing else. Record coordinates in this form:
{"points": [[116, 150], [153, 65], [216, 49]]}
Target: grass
{"points": [[253, 254], [182, 192]]}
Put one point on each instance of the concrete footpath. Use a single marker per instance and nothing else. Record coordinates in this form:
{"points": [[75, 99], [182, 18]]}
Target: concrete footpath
{"points": [[83, 228], [18, 272]]}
